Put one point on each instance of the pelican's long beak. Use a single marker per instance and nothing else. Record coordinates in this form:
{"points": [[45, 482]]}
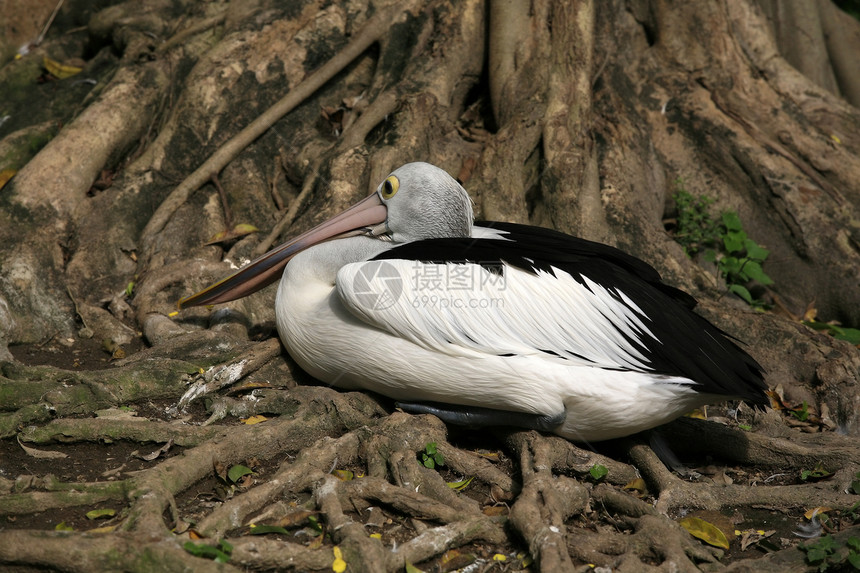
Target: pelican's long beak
{"points": [[368, 217]]}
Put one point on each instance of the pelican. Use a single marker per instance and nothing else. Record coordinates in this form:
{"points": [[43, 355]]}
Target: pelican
{"points": [[493, 323]]}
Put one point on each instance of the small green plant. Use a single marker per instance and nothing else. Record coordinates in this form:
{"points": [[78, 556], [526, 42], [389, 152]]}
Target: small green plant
{"points": [[827, 552], [430, 457], [219, 554], [801, 413], [696, 228], [838, 332], [852, 514], [315, 525], [598, 472], [819, 472], [722, 241]]}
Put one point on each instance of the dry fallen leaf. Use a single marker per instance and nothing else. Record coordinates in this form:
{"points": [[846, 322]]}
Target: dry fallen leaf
{"points": [[638, 485], [41, 454], [707, 532], [237, 231], [816, 511], [6, 175], [61, 71]]}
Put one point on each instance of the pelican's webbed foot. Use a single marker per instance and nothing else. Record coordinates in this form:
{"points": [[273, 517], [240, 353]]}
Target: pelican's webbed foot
{"points": [[476, 417]]}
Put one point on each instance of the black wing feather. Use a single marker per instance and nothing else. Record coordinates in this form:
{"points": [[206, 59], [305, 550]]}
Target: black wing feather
{"points": [[686, 344]]}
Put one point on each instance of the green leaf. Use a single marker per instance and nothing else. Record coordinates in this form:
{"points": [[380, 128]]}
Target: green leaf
{"points": [[732, 221], [430, 457], [803, 413], [734, 241], [742, 292], [209, 552], [754, 251], [815, 555], [851, 335], [753, 271], [63, 526], [97, 513], [598, 472], [828, 543], [819, 472], [237, 472], [730, 266]]}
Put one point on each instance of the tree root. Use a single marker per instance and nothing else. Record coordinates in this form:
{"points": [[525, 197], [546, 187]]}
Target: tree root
{"points": [[675, 493], [83, 553], [65, 393], [543, 506], [546, 513]]}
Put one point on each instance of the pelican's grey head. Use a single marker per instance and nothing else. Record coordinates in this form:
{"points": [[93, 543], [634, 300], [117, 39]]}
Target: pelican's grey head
{"points": [[424, 202]]}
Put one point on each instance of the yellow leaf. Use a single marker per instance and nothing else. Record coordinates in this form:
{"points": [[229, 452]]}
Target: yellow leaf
{"points": [[239, 230], [253, 419], [245, 228], [460, 485], [343, 475], [499, 557], [707, 532], [63, 526], [58, 70], [835, 138], [810, 314], [105, 529], [339, 565], [699, 413], [450, 555], [6, 175], [637, 484], [174, 313], [816, 511], [376, 535]]}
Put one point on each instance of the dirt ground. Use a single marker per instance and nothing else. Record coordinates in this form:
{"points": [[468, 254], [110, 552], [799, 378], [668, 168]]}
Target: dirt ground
{"points": [[753, 530]]}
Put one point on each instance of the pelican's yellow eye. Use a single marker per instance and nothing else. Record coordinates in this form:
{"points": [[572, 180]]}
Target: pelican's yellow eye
{"points": [[390, 187]]}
